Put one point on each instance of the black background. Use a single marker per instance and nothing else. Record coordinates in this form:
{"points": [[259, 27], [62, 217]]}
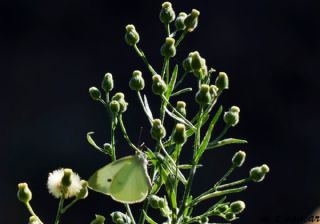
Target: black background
{"points": [[53, 51]]}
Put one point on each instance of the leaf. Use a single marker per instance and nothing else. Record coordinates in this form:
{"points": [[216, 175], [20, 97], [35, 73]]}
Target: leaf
{"points": [[172, 82], [184, 121], [181, 91], [207, 137], [227, 141], [147, 107], [187, 166], [148, 219], [91, 142]]}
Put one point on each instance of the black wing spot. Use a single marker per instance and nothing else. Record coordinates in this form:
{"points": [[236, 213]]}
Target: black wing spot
{"points": [[109, 179]]}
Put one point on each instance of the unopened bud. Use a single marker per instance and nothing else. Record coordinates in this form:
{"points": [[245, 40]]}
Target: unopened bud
{"points": [[131, 37], [114, 107], [179, 23], [83, 193], [157, 130], [167, 14], [98, 220], [168, 49], [230, 216], [187, 64], [181, 108], [66, 179], [107, 82], [191, 21], [237, 207], [136, 82], [120, 98], [158, 85], [257, 174], [24, 193], [179, 134], [239, 158], [231, 117], [95, 93], [222, 81], [203, 95]]}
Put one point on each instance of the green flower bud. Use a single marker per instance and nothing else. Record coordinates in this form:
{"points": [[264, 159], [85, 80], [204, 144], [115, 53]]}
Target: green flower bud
{"points": [[168, 49], [83, 193], [222, 81], [34, 220], [179, 23], [231, 117], [239, 158], [136, 82], [120, 98], [131, 37], [95, 93], [98, 220], [214, 90], [107, 148], [157, 131], [158, 85], [191, 21], [257, 174], [167, 14], [187, 64], [237, 207], [156, 202], [24, 194], [181, 108], [179, 134], [120, 218], [107, 82], [196, 63], [66, 179], [203, 95], [229, 216], [221, 209], [204, 220], [114, 107]]}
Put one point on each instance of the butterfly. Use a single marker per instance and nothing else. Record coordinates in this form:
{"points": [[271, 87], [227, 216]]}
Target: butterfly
{"points": [[126, 180]]}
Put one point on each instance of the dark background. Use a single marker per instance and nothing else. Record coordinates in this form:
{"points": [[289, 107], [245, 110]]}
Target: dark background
{"points": [[53, 51]]}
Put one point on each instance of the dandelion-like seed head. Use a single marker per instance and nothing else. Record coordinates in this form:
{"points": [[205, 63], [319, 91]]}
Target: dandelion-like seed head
{"points": [[57, 189]]}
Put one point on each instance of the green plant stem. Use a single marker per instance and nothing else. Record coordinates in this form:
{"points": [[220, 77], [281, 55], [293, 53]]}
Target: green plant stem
{"points": [[126, 136], [193, 168], [59, 212], [30, 209], [167, 27], [130, 213], [144, 58], [224, 178], [145, 208], [164, 68], [242, 181], [183, 34], [144, 107], [181, 91], [69, 205], [113, 142], [224, 131]]}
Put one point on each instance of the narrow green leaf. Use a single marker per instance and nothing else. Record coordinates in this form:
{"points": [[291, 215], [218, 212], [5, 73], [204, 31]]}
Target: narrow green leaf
{"points": [[172, 82], [187, 166], [184, 121], [207, 137], [227, 141], [91, 142], [147, 107], [181, 91], [148, 219]]}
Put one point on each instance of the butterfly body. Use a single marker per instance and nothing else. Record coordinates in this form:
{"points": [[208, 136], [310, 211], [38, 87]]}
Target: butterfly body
{"points": [[126, 180]]}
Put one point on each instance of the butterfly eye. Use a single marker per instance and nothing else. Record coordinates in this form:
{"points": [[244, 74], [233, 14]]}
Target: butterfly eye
{"points": [[109, 180]]}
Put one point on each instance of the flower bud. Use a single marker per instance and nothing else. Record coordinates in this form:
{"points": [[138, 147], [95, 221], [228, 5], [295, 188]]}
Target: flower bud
{"points": [[98, 220], [66, 179], [95, 93], [221, 209], [230, 216], [181, 108], [158, 85], [191, 21], [83, 193], [237, 207], [196, 63], [167, 14], [107, 82], [179, 23], [179, 134], [156, 202], [107, 148], [114, 107], [120, 98], [222, 81], [239, 158], [24, 193], [120, 218], [168, 49], [34, 220], [257, 174], [157, 130], [136, 82], [203, 95], [231, 117], [131, 37], [204, 220], [187, 64]]}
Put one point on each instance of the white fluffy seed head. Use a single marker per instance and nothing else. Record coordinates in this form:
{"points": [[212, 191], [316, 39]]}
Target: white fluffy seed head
{"points": [[56, 188]]}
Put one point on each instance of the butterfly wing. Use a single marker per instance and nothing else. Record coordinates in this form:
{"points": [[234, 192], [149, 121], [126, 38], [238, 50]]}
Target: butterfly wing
{"points": [[131, 184], [102, 179]]}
